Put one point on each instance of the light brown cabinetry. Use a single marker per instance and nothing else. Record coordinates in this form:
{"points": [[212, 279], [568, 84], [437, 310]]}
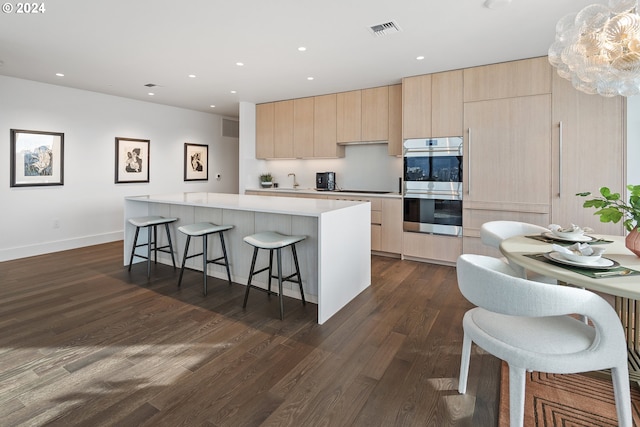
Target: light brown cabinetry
{"points": [[507, 80], [435, 248], [394, 147], [303, 109], [363, 115], [432, 105], [265, 122], [588, 153], [283, 130], [324, 127]]}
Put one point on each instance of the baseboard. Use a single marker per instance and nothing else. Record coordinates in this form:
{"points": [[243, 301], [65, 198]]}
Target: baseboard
{"points": [[58, 245]]}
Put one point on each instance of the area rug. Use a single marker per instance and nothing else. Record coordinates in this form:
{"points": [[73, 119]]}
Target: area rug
{"points": [[566, 400]]}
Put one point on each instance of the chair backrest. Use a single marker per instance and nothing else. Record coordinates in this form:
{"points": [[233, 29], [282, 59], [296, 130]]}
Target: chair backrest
{"points": [[494, 232], [491, 284]]}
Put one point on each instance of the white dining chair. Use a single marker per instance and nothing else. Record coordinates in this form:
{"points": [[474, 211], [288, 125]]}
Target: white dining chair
{"points": [[529, 325], [492, 233]]}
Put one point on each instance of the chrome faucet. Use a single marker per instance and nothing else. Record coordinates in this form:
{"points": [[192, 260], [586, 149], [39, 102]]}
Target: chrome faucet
{"points": [[295, 183]]}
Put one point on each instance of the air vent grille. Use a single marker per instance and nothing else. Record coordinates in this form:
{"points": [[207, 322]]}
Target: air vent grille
{"points": [[384, 29], [151, 85]]}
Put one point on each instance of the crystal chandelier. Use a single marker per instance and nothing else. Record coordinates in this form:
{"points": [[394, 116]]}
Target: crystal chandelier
{"points": [[598, 49]]}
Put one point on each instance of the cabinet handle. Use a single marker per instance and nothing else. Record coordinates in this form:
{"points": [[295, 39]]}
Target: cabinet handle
{"points": [[560, 160], [469, 163]]}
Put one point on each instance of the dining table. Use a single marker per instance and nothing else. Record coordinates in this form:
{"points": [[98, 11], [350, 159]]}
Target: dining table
{"points": [[620, 278]]}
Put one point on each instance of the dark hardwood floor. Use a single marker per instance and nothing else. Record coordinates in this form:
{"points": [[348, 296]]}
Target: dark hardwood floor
{"points": [[85, 342]]}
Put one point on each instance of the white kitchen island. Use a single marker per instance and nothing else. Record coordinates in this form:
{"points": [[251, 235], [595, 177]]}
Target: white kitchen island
{"points": [[335, 259]]}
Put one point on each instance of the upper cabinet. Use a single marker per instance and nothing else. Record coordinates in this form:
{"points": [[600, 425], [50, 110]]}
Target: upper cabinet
{"points": [[394, 147], [325, 127], [283, 129], [303, 111], [432, 105], [265, 122], [363, 115], [508, 80]]}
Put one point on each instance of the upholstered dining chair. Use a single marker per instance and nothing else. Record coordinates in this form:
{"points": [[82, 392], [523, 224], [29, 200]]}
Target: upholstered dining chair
{"points": [[494, 232], [529, 325]]}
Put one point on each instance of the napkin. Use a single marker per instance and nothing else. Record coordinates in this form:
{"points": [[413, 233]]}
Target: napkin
{"points": [[573, 229], [579, 249]]}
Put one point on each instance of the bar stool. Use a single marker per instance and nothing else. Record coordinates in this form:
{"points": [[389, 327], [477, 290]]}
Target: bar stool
{"points": [[151, 223], [272, 240], [204, 229]]}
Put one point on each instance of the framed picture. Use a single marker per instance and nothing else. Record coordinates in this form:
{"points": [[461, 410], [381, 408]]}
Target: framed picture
{"points": [[196, 162], [132, 160], [37, 158]]}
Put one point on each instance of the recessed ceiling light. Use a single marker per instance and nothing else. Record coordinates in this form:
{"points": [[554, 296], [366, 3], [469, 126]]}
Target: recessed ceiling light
{"points": [[59, 74], [151, 93], [193, 76], [233, 91], [302, 48], [212, 106], [239, 64], [309, 78], [420, 58]]}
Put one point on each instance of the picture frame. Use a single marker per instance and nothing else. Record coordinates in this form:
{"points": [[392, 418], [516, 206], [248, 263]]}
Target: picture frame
{"points": [[196, 162], [37, 158], [132, 160]]}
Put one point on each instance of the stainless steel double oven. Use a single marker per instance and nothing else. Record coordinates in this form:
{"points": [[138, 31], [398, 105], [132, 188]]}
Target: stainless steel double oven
{"points": [[432, 187]]}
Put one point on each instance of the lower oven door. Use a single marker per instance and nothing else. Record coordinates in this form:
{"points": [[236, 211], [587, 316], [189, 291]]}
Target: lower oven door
{"points": [[436, 215]]}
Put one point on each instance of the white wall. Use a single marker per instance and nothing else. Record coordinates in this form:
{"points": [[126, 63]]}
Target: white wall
{"points": [[89, 206], [364, 167], [633, 140]]}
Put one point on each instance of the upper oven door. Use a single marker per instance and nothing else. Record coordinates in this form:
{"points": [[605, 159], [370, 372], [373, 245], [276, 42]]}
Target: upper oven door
{"points": [[433, 160]]}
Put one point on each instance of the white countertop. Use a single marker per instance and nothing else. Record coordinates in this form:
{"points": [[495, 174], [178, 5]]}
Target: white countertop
{"points": [[267, 204], [324, 193]]}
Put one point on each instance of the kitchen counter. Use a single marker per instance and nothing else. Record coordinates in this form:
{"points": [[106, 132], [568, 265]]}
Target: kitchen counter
{"points": [[334, 259], [337, 193]]}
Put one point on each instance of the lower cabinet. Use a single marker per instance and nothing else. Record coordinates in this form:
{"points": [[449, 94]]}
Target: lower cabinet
{"points": [[432, 247]]}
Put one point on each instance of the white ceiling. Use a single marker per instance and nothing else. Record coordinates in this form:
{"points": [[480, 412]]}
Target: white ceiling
{"points": [[118, 46]]}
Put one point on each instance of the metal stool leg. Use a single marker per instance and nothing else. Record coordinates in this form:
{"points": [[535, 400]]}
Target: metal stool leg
{"points": [[133, 249], [226, 260], [270, 271], [184, 259], [279, 256], [149, 252], [295, 261], [253, 265], [204, 264], [170, 245]]}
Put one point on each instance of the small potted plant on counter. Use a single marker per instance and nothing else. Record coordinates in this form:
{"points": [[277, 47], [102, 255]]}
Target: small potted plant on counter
{"points": [[266, 180], [611, 208]]}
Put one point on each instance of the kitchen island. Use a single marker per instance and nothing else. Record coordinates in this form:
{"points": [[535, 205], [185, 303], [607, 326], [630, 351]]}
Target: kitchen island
{"points": [[335, 258]]}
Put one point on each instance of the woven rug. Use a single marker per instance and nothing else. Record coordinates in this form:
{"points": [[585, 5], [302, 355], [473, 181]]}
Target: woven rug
{"points": [[566, 400]]}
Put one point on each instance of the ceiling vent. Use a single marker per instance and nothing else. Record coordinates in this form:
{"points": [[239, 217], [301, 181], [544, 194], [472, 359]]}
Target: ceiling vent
{"points": [[151, 85], [384, 29]]}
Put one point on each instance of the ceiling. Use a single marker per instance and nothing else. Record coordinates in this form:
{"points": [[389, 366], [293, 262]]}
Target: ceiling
{"points": [[116, 47]]}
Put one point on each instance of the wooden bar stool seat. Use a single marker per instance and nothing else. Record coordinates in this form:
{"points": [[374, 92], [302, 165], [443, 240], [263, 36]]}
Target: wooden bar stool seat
{"points": [[204, 229], [151, 223], [271, 241]]}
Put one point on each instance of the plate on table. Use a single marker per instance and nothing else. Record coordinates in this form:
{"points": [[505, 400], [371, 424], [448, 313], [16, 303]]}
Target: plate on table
{"points": [[582, 238], [601, 264]]}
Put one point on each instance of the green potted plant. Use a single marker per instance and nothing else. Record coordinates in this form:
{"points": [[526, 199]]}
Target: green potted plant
{"points": [[611, 208], [266, 180]]}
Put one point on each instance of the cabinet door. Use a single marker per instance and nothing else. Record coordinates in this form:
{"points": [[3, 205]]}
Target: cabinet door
{"points": [[416, 107], [508, 79], [589, 153], [265, 122], [507, 153], [391, 238], [283, 129], [446, 104], [395, 120], [303, 127], [375, 114], [324, 127], [349, 116]]}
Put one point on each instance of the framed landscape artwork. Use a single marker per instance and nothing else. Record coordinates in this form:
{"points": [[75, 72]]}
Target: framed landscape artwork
{"points": [[37, 158], [196, 162], [132, 160]]}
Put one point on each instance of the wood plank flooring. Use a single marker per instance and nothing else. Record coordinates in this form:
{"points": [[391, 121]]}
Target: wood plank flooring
{"points": [[84, 342]]}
